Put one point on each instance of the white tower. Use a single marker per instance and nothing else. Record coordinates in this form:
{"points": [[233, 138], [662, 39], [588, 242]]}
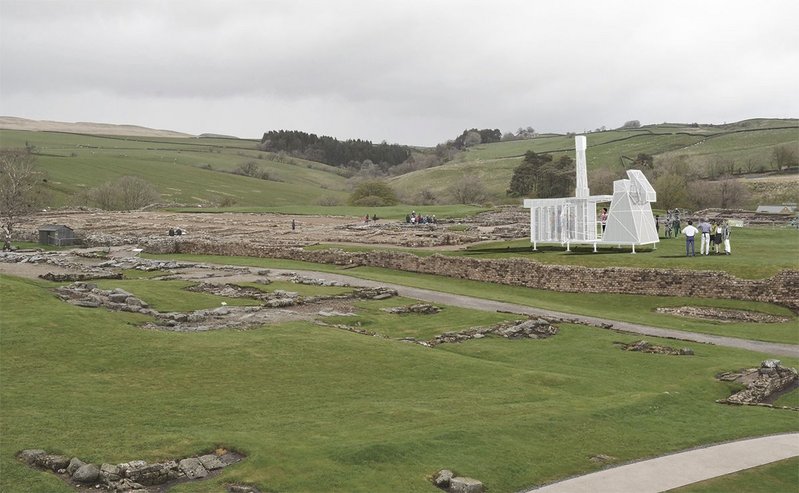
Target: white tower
{"points": [[581, 190]]}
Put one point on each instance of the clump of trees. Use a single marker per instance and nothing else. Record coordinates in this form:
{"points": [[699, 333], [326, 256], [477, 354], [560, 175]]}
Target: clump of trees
{"points": [[540, 176], [126, 193], [373, 193], [21, 190], [332, 151], [632, 124], [473, 137], [253, 170], [679, 184]]}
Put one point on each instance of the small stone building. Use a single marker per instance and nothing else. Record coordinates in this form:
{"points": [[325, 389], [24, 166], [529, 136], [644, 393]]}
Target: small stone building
{"points": [[57, 234]]}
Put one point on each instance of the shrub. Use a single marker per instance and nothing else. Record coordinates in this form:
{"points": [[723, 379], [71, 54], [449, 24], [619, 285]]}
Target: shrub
{"points": [[374, 190]]}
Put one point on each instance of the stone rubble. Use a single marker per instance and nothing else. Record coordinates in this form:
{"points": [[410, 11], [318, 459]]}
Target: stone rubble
{"points": [[449, 482], [645, 347], [421, 308], [272, 307], [515, 329], [763, 384], [136, 476], [722, 314]]}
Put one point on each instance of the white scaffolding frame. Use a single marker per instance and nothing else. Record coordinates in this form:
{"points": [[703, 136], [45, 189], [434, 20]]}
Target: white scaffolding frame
{"points": [[573, 220]]}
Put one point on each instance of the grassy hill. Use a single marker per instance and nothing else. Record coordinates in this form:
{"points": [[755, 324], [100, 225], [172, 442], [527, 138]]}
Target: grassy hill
{"points": [[748, 145], [191, 170], [185, 170]]}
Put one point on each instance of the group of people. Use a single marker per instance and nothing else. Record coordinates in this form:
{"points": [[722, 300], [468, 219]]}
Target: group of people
{"points": [[671, 224], [414, 218], [716, 234]]}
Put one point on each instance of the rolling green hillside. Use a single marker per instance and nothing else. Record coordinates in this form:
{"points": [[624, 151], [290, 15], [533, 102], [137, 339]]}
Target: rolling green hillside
{"points": [[748, 145], [185, 170], [196, 171]]}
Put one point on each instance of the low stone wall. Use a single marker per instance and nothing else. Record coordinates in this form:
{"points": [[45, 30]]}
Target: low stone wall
{"points": [[782, 288]]}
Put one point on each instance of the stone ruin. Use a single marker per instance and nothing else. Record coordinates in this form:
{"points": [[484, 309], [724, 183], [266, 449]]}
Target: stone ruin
{"points": [[449, 482], [418, 308], [645, 347], [763, 385], [88, 295], [134, 476], [516, 329], [724, 315]]}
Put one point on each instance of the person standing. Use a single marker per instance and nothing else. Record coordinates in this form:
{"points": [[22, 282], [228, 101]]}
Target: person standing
{"points": [[657, 225], [718, 233], [668, 226], [704, 246], [725, 234], [676, 222], [689, 232], [293, 225], [603, 218]]}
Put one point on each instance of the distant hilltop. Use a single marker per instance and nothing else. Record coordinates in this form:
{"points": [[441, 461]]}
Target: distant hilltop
{"points": [[15, 123]]}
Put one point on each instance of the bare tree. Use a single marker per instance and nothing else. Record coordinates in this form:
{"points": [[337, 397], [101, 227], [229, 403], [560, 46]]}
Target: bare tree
{"points": [[127, 193], [731, 192], [784, 157], [18, 189], [469, 189]]}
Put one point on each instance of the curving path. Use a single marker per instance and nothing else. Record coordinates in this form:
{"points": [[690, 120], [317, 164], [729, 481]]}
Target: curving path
{"points": [[772, 348], [682, 468]]}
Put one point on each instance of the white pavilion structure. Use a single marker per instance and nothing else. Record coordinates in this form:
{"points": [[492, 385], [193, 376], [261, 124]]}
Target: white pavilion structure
{"points": [[573, 220]]}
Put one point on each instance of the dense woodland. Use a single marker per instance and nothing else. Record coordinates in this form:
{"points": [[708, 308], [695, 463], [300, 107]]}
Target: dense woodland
{"points": [[332, 151]]}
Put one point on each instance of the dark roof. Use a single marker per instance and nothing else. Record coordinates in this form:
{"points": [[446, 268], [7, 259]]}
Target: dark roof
{"points": [[53, 227]]}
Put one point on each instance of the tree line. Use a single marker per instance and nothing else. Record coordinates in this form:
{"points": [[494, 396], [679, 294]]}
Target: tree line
{"points": [[332, 151]]}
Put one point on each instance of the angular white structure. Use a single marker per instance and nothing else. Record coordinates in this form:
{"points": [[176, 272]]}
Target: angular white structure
{"points": [[630, 218], [574, 219]]}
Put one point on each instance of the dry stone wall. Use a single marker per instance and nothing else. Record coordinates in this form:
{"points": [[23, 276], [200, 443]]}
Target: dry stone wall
{"points": [[782, 288]]}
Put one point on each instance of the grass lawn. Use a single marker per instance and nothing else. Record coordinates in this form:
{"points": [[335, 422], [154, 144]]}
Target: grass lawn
{"points": [[629, 308], [749, 260], [778, 476], [319, 409]]}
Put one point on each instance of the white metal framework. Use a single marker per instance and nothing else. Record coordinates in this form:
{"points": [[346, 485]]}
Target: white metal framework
{"points": [[570, 220]]}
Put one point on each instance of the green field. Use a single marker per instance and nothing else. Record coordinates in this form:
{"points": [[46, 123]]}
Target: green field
{"points": [[192, 171], [316, 408]]}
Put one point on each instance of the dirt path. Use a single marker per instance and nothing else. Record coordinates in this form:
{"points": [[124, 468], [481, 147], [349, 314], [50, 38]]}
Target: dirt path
{"points": [[683, 468]]}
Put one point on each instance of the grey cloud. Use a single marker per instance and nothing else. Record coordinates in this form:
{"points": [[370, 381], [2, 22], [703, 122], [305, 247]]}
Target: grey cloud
{"points": [[415, 70]]}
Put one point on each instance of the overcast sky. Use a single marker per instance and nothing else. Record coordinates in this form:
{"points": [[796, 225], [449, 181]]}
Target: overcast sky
{"points": [[406, 71]]}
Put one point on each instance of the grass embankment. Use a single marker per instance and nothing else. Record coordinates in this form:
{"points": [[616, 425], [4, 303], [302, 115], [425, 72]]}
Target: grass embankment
{"points": [[321, 409]]}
